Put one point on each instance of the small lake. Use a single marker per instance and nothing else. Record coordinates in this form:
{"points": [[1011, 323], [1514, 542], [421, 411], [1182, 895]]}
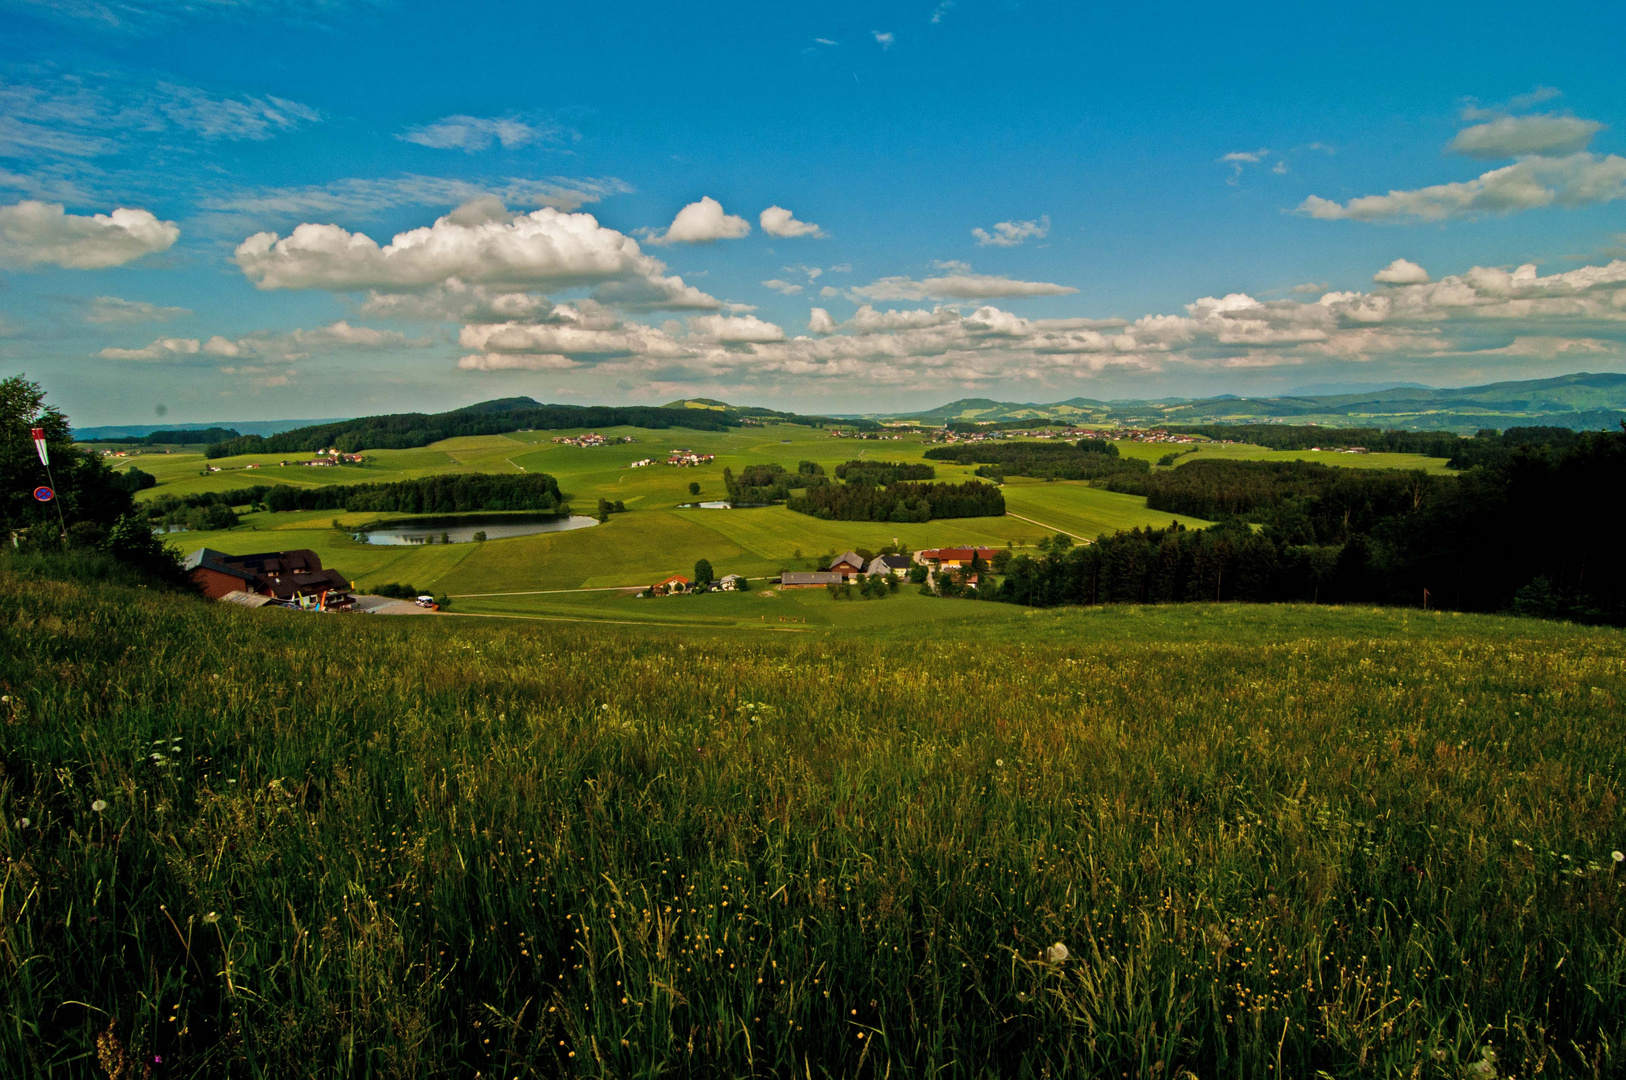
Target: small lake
{"points": [[461, 528]]}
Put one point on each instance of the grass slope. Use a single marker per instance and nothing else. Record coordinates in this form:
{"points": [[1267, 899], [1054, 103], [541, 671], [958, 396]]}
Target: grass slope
{"points": [[268, 844]]}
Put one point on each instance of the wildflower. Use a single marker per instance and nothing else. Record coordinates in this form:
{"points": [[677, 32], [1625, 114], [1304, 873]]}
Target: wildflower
{"points": [[605, 706], [212, 918], [1056, 953], [24, 823], [1617, 856], [999, 761], [99, 805]]}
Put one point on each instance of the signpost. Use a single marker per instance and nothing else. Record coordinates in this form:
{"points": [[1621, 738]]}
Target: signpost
{"points": [[48, 494]]}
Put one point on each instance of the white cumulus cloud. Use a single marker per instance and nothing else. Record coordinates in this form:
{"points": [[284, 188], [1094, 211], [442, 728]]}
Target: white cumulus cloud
{"points": [[1402, 272], [160, 349], [701, 223], [480, 243], [36, 233], [777, 221], [1013, 233], [735, 328]]}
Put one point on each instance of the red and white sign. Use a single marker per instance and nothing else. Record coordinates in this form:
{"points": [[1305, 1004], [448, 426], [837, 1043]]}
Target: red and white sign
{"points": [[39, 444]]}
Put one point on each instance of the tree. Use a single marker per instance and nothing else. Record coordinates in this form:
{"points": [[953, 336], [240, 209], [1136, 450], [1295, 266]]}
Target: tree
{"points": [[480, 537], [702, 572], [694, 487]]}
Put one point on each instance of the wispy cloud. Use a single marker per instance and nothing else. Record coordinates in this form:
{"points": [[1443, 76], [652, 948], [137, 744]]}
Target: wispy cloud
{"points": [[475, 133]]}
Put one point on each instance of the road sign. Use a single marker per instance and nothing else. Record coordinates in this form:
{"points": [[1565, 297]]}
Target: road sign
{"points": [[44, 494], [39, 445]]}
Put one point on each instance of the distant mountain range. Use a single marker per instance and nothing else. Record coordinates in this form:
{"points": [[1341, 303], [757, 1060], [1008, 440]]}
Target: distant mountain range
{"points": [[1578, 401]]}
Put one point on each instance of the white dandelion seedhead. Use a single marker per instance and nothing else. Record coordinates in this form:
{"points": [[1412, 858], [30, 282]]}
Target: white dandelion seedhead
{"points": [[99, 805], [1056, 954], [23, 823]]}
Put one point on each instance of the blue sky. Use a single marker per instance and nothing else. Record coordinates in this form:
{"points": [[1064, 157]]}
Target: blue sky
{"points": [[1019, 200]]}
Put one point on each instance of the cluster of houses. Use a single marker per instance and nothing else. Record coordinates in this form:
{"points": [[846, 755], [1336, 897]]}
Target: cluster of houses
{"points": [[292, 579], [592, 438], [678, 584], [684, 459], [1147, 435], [852, 567]]}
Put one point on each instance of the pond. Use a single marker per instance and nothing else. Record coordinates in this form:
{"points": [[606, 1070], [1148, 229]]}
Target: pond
{"points": [[460, 529]]}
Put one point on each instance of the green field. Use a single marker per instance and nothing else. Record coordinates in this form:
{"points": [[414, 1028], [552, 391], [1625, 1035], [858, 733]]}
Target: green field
{"points": [[1274, 841], [656, 537]]}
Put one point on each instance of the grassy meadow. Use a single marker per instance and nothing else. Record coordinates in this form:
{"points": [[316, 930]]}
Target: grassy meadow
{"points": [[1274, 842]]}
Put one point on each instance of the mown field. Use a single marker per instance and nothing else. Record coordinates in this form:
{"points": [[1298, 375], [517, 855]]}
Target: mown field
{"points": [[1274, 842]]}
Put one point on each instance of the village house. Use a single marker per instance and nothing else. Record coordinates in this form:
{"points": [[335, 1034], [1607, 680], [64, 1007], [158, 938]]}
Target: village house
{"points": [[888, 565], [290, 578], [731, 583], [954, 558], [849, 566], [687, 458], [677, 583], [812, 579]]}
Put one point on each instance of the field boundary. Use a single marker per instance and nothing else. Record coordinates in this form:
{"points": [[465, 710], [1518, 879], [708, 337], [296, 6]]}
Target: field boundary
{"points": [[1042, 525]]}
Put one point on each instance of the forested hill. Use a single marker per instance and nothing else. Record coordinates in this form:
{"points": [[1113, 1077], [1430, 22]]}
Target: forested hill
{"points": [[398, 431]]}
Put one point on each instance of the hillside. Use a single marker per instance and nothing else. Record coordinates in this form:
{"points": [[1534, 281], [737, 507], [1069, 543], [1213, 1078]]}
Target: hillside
{"points": [[1581, 401], [495, 848]]}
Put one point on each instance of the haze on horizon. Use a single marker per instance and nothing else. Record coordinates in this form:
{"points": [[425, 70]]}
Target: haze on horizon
{"points": [[312, 209]]}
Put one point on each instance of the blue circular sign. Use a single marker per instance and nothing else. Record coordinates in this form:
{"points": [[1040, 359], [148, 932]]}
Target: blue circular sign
{"points": [[44, 494]]}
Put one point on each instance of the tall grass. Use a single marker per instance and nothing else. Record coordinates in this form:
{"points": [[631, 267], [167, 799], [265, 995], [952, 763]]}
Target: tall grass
{"points": [[349, 847]]}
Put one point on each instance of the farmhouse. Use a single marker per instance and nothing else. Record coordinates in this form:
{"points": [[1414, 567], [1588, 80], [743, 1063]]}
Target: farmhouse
{"points": [[731, 583], [677, 583], [816, 579], [956, 557], [882, 565], [290, 578], [687, 458], [849, 566]]}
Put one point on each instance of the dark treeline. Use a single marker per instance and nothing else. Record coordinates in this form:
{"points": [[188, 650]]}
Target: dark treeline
{"points": [[1306, 436], [771, 482], [189, 437], [1086, 459], [450, 494], [1487, 447], [882, 473], [1255, 490], [967, 427], [134, 480], [405, 430], [901, 502], [1537, 533]]}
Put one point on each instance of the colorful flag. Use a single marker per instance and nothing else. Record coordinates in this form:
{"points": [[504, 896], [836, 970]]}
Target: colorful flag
{"points": [[39, 444]]}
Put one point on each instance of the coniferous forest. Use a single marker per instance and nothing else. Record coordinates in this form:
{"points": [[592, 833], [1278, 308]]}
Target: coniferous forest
{"points": [[1537, 533]]}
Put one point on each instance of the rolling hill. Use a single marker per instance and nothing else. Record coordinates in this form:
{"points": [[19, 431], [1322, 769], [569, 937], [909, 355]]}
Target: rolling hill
{"points": [[1581, 400]]}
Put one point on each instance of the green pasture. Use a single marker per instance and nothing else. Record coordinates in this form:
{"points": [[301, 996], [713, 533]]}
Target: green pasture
{"points": [[1248, 452]]}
